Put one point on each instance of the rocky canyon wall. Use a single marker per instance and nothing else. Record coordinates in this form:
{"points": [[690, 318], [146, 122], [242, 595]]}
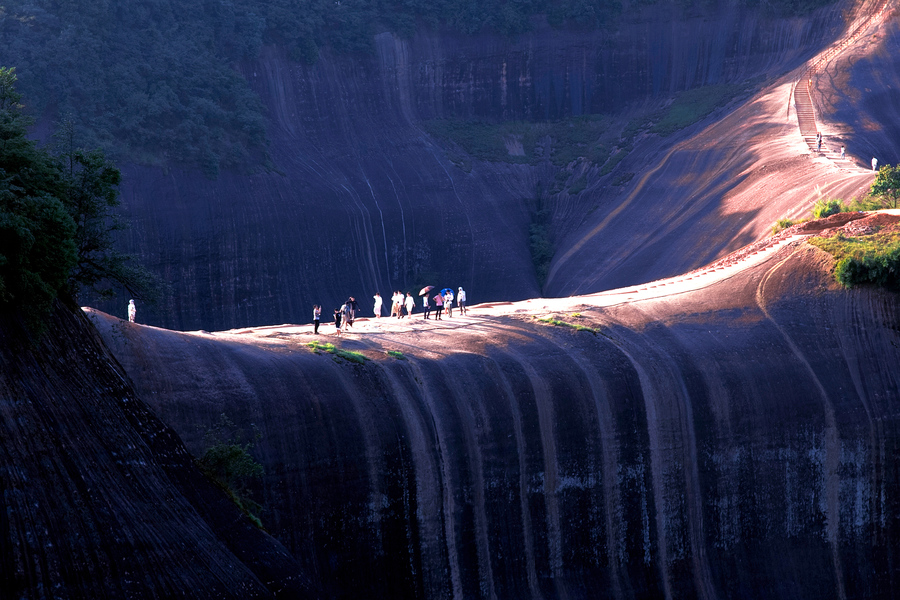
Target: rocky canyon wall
{"points": [[99, 498], [361, 199], [730, 443]]}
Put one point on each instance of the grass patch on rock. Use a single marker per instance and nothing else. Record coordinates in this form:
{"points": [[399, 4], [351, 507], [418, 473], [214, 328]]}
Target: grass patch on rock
{"points": [[693, 105], [524, 142], [870, 259], [319, 347], [575, 326]]}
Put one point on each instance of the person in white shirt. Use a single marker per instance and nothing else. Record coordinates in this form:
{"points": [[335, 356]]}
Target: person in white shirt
{"points": [[378, 302], [410, 304], [448, 303], [461, 301], [396, 303]]}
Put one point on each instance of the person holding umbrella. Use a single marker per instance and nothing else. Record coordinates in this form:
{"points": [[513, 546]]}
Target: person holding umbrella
{"points": [[426, 306]]}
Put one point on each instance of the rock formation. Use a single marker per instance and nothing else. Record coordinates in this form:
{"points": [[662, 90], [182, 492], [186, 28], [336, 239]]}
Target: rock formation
{"points": [[362, 199], [733, 436], [100, 498], [714, 424]]}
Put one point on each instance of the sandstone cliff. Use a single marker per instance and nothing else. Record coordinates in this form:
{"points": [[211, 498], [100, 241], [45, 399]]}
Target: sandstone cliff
{"points": [[732, 440], [362, 199], [101, 499]]}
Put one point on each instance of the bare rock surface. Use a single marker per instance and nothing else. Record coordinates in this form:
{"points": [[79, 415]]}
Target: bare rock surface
{"points": [[725, 433], [101, 499], [363, 199]]}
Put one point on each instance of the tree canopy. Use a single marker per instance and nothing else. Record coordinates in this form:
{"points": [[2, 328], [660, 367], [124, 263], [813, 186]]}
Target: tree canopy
{"points": [[154, 81], [56, 218], [887, 185]]}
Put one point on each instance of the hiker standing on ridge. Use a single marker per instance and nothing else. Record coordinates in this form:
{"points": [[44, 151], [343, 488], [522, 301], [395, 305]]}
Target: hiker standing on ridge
{"points": [[410, 305], [353, 308], [317, 315], [378, 302], [396, 303], [461, 301], [448, 302], [438, 306], [132, 311], [874, 164]]}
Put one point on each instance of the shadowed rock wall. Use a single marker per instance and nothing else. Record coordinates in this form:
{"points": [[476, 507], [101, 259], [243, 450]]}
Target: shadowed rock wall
{"points": [[99, 499], [361, 199], [717, 445]]}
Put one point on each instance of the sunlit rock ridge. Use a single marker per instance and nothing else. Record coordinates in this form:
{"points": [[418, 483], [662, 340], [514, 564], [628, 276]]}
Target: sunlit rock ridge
{"points": [[363, 199], [694, 410], [733, 441]]}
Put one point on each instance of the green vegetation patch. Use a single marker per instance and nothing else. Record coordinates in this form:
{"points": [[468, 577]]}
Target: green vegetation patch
{"points": [[396, 354], [872, 259], [57, 219], [228, 462], [781, 225], [827, 207], [350, 355], [522, 142], [693, 105], [575, 326]]}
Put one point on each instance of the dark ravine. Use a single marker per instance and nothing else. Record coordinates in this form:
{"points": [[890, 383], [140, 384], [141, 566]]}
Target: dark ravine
{"points": [[364, 200], [100, 498], [738, 441]]}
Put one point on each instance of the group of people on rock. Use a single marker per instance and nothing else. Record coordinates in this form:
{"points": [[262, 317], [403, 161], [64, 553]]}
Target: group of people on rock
{"points": [[401, 305], [343, 316], [404, 305]]}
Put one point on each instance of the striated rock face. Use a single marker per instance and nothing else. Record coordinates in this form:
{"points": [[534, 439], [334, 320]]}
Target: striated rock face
{"points": [[100, 499], [736, 441], [361, 199]]}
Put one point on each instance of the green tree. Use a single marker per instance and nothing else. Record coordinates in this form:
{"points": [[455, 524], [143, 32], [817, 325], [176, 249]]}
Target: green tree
{"points": [[37, 234], [887, 186], [57, 218], [90, 185], [228, 462]]}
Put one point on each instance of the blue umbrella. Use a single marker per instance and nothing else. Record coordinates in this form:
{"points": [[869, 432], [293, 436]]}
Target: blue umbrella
{"points": [[445, 290]]}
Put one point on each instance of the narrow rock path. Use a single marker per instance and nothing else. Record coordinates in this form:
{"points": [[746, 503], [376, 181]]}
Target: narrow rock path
{"points": [[803, 102]]}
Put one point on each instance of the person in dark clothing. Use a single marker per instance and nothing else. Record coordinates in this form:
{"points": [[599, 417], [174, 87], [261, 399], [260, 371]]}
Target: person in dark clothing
{"points": [[317, 315], [352, 309], [426, 305], [337, 321]]}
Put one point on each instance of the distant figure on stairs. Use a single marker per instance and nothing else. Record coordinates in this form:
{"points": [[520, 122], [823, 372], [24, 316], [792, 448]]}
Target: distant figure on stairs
{"points": [[842, 152], [874, 164], [818, 142]]}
